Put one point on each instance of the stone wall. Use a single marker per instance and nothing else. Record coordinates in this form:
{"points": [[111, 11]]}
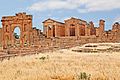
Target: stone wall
{"points": [[0, 37], [66, 42]]}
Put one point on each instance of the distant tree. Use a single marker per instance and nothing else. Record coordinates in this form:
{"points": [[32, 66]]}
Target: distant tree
{"points": [[34, 28], [16, 36]]}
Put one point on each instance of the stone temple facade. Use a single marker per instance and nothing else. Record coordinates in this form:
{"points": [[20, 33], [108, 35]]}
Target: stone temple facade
{"points": [[55, 34], [74, 27]]}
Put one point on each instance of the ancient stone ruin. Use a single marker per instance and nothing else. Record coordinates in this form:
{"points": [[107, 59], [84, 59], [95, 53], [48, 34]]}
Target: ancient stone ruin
{"points": [[27, 33], [55, 34], [74, 27]]}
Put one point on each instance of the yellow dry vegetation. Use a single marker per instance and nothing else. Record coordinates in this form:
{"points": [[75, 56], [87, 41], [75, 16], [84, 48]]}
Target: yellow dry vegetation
{"points": [[62, 65]]}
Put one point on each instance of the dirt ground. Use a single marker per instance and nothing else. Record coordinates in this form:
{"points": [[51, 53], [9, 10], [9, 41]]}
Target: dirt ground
{"points": [[63, 64]]}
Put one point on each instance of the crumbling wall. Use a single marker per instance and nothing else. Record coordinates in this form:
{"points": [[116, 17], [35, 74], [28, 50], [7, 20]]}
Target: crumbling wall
{"points": [[67, 42], [0, 37]]}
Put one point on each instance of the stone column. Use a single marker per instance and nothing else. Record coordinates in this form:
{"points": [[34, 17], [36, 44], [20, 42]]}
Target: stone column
{"points": [[78, 30], [3, 36], [101, 26], [44, 30], [29, 33], [22, 37], [56, 31], [51, 32], [21, 40], [47, 31], [68, 31], [12, 37]]}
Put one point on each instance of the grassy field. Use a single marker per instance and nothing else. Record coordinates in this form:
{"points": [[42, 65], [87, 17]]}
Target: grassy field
{"points": [[62, 65]]}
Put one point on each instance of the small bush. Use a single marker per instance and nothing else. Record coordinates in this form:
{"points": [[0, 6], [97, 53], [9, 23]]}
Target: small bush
{"points": [[42, 58], [83, 76]]}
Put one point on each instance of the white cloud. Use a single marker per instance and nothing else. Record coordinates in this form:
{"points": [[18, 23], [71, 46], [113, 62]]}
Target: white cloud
{"points": [[117, 19], [56, 4], [81, 5], [102, 5]]}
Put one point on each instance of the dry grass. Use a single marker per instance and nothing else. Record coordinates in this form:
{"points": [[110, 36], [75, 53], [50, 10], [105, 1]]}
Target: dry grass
{"points": [[62, 65]]}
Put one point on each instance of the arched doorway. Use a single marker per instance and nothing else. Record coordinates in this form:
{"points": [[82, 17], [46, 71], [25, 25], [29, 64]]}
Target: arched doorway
{"points": [[16, 35]]}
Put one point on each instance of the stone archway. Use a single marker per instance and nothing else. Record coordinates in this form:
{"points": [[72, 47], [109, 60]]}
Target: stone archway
{"points": [[16, 36], [9, 23]]}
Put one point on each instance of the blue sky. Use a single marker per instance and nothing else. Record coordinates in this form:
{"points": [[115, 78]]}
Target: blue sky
{"points": [[89, 10]]}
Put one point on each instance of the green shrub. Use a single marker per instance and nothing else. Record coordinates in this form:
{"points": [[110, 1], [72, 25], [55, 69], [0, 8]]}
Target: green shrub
{"points": [[83, 76], [42, 58]]}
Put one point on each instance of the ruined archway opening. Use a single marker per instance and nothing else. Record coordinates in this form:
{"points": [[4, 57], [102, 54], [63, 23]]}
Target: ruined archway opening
{"points": [[16, 33]]}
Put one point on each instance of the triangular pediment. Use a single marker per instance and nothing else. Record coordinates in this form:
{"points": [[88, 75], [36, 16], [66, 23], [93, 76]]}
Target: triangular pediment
{"points": [[49, 20], [74, 19]]}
